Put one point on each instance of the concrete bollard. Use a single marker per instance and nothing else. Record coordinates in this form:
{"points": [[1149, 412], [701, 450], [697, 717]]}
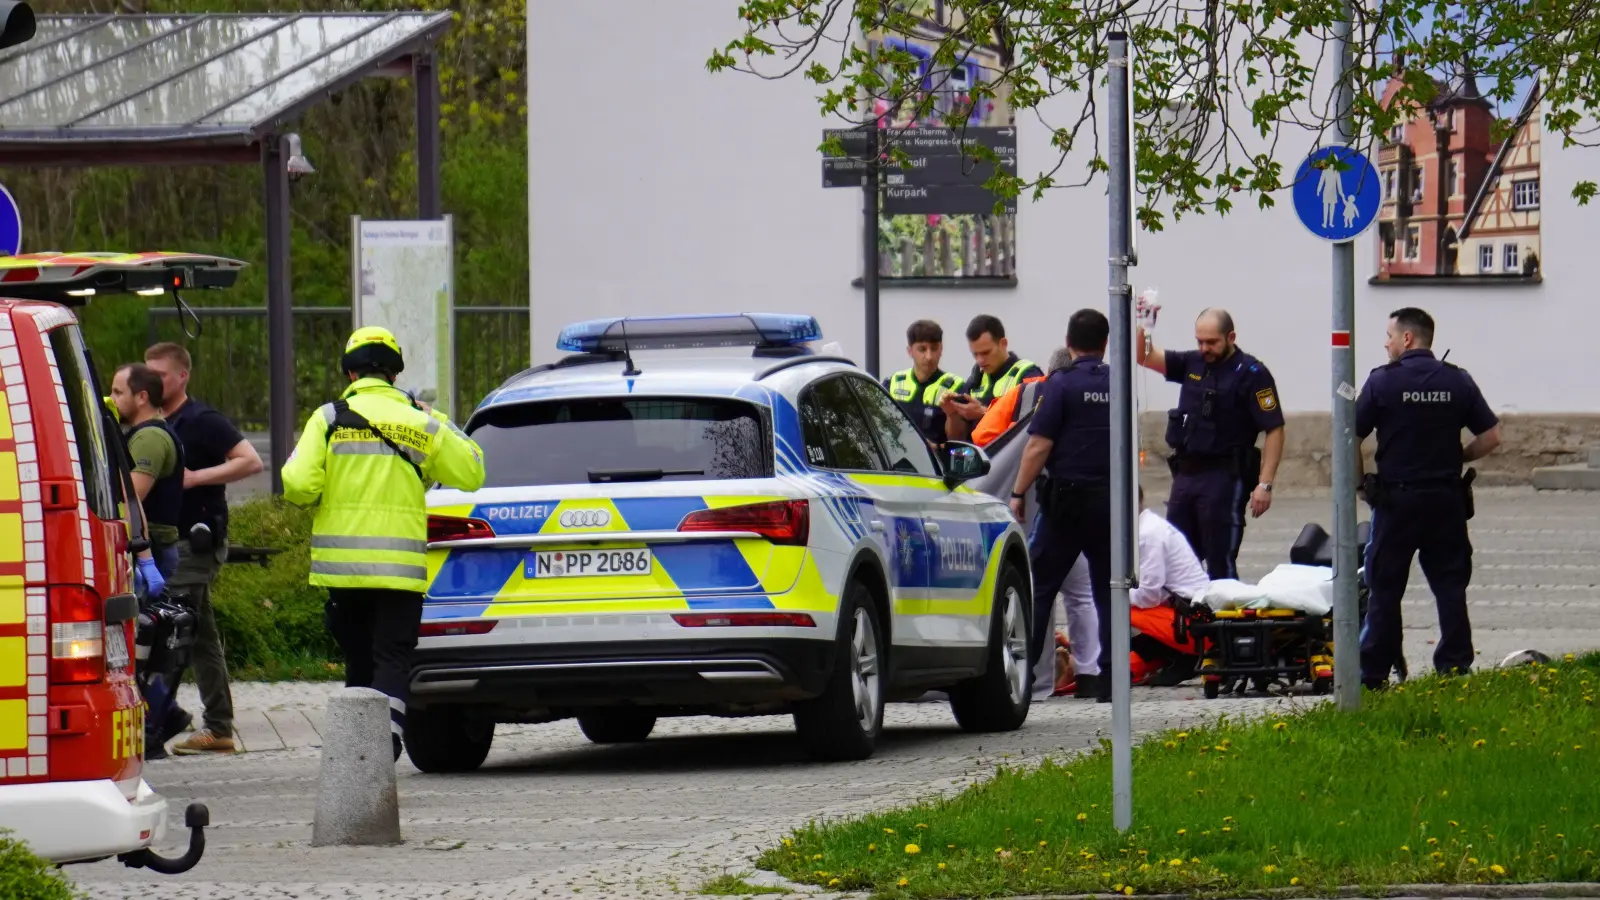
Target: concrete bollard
{"points": [[357, 802]]}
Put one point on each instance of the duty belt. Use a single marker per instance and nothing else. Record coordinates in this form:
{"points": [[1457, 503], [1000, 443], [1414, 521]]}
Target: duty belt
{"points": [[1193, 465]]}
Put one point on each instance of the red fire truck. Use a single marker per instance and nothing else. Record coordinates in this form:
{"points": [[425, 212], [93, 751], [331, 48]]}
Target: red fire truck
{"points": [[71, 716]]}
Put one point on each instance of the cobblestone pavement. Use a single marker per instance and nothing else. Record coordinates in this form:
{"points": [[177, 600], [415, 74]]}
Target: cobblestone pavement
{"points": [[551, 815]]}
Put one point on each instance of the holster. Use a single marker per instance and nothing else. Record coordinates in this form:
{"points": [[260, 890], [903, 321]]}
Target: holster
{"points": [[1249, 462], [1467, 478], [1377, 494], [1065, 503]]}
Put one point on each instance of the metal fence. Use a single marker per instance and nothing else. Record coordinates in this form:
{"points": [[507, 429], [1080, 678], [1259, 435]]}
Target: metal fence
{"points": [[956, 247], [230, 355]]}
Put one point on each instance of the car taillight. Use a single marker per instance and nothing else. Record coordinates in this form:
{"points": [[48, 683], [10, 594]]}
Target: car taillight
{"points": [[456, 528], [447, 628], [77, 636], [745, 620], [781, 522]]}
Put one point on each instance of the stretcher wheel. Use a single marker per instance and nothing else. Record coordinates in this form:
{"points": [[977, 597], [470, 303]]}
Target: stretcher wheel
{"points": [[1212, 688], [1321, 686]]}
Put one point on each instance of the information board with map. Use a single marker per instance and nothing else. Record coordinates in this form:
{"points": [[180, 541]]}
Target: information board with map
{"points": [[404, 280]]}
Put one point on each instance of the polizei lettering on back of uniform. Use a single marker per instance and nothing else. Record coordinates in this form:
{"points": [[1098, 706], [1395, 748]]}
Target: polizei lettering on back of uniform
{"points": [[1425, 396], [1096, 397]]}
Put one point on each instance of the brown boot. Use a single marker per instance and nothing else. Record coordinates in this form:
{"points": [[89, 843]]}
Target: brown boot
{"points": [[202, 742]]}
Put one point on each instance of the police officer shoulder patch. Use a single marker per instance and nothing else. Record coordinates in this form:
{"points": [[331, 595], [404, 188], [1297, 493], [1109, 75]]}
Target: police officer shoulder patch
{"points": [[1267, 399]]}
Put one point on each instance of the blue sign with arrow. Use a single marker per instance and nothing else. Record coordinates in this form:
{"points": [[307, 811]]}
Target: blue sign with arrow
{"points": [[1336, 193], [10, 224]]}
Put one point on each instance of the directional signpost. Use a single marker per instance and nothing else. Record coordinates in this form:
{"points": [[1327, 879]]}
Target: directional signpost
{"points": [[940, 176], [1337, 195], [10, 224]]}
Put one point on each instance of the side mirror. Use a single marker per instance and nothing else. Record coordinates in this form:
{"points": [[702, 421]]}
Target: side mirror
{"points": [[16, 23], [963, 462]]}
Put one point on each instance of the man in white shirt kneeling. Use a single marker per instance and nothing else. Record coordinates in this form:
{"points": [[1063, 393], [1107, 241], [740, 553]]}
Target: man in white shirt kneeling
{"points": [[1168, 568]]}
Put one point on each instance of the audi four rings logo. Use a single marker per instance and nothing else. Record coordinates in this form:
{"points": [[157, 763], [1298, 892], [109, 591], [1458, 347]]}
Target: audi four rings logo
{"points": [[585, 518]]}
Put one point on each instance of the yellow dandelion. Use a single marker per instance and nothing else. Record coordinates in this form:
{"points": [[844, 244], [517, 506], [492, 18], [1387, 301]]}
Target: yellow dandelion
{"points": [[1174, 862], [1294, 881], [1183, 831], [1038, 821], [1194, 859], [817, 857], [833, 882], [872, 848], [1473, 860], [1405, 849], [941, 865], [1479, 742], [921, 825], [1082, 817], [903, 882], [1269, 869], [1127, 891], [1432, 841], [1498, 869], [888, 831], [1226, 829], [1171, 745], [1280, 726], [1044, 843], [912, 849]]}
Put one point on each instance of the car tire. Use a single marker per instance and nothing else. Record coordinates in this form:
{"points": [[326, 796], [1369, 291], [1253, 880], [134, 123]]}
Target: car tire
{"points": [[616, 726], [843, 722], [998, 699], [444, 739]]}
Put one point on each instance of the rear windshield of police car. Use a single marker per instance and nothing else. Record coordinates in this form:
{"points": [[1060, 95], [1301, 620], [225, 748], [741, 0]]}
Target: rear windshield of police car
{"points": [[610, 440]]}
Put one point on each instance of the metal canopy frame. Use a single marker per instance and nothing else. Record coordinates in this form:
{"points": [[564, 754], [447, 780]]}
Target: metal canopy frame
{"points": [[259, 140]]}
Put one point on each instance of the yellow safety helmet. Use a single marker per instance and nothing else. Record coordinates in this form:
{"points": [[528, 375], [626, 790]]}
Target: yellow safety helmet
{"points": [[373, 348]]}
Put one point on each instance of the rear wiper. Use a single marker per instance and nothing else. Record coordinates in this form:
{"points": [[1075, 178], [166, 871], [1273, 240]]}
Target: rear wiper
{"points": [[606, 476]]}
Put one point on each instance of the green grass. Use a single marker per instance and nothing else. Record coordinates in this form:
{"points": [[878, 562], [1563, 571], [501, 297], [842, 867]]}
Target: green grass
{"points": [[1486, 779], [734, 886]]}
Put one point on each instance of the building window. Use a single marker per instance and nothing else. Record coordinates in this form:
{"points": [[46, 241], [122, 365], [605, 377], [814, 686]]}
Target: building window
{"points": [[1386, 232], [1525, 194], [1413, 242], [1397, 133], [1455, 177], [1388, 185], [1486, 257], [1511, 261], [1450, 120], [1416, 184]]}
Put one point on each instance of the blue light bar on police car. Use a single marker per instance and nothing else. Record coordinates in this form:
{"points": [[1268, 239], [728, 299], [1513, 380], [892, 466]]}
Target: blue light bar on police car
{"points": [[688, 332]]}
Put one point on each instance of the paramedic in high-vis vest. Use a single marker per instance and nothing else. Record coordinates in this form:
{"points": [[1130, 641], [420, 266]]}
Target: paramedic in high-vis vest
{"points": [[920, 389], [366, 460]]}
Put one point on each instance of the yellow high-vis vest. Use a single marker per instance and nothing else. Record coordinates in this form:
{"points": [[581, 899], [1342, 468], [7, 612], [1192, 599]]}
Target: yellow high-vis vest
{"points": [[371, 524]]}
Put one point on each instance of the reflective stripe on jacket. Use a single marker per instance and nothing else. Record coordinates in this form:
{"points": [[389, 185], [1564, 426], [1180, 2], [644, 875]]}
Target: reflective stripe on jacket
{"points": [[903, 387], [371, 525], [1006, 410], [1006, 382]]}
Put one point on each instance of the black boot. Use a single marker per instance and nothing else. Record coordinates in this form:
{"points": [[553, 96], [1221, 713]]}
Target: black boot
{"points": [[1087, 686]]}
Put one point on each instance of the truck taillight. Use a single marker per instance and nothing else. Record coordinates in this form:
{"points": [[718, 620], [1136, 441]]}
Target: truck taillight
{"points": [[781, 522], [77, 636], [456, 528]]}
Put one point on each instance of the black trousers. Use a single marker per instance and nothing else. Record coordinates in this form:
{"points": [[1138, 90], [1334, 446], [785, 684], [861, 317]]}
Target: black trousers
{"points": [[1429, 522], [377, 630], [1079, 521]]}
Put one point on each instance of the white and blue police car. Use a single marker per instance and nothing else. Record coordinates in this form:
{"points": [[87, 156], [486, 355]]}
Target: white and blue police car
{"points": [[698, 515]]}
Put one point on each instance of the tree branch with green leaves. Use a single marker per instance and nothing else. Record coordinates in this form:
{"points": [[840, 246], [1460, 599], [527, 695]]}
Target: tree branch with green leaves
{"points": [[1218, 85]]}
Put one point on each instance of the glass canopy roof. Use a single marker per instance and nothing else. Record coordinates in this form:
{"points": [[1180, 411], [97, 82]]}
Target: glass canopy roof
{"points": [[120, 78]]}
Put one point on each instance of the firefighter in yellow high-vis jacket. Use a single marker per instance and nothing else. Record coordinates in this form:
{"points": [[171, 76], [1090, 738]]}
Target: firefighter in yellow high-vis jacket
{"points": [[366, 460]]}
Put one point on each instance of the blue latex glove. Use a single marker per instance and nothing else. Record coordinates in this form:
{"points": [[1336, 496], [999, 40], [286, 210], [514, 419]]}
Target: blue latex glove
{"points": [[154, 584]]}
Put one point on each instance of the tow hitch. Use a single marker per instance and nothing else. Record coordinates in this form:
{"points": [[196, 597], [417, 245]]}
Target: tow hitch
{"points": [[195, 818]]}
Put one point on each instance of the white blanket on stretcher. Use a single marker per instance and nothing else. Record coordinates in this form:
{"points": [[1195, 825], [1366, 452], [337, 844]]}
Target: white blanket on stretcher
{"points": [[1308, 589]]}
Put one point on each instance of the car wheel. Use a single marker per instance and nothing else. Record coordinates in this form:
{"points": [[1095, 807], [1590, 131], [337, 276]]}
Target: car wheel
{"points": [[844, 721], [616, 726], [998, 699], [443, 739]]}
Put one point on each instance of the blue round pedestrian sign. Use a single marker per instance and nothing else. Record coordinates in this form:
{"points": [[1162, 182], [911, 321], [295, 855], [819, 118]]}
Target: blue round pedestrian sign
{"points": [[1336, 193], [10, 224]]}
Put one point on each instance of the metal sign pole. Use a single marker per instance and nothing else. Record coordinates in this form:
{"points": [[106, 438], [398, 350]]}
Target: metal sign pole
{"points": [[1346, 630], [1123, 511], [869, 247]]}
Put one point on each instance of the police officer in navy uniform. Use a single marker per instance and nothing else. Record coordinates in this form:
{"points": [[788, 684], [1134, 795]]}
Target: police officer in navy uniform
{"points": [[1070, 438], [1420, 503], [920, 388], [1226, 398]]}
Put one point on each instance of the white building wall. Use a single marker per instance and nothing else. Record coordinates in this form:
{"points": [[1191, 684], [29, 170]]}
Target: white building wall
{"points": [[657, 187]]}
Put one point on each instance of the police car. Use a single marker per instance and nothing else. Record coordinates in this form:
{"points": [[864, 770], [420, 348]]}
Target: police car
{"points": [[699, 515]]}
